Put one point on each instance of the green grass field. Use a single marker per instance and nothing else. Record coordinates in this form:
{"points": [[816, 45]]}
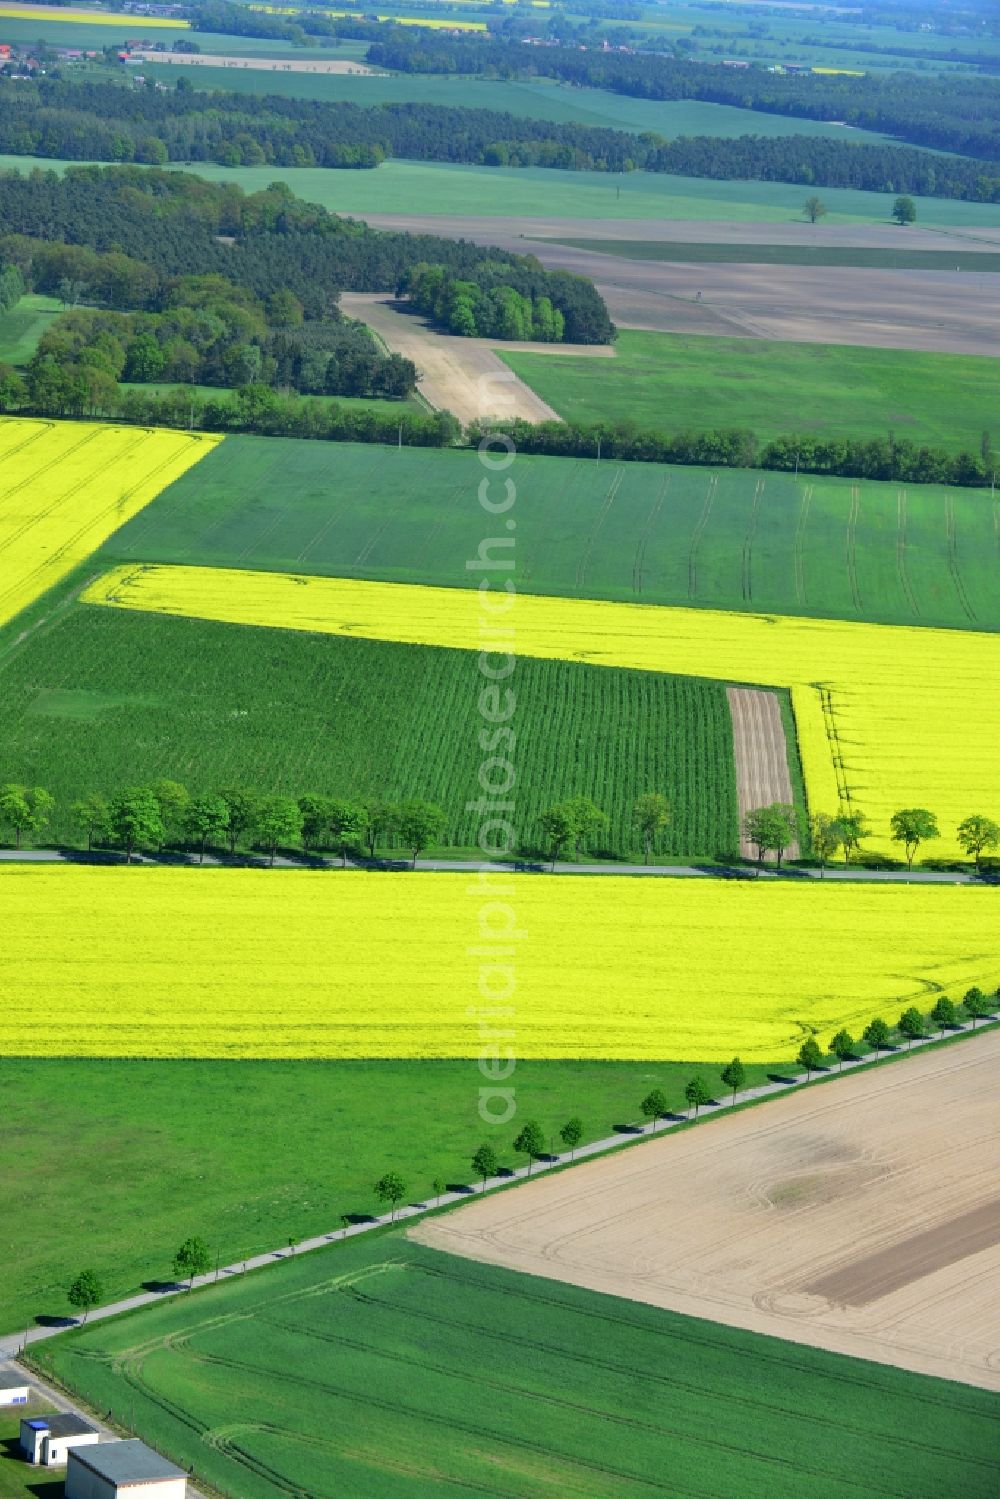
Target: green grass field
{"points": [[382, 1368], [667, 535], [672, 382], [433, 188], [246, 1154], [23, 325], [105, 698], [956, 259], [539, 99]]}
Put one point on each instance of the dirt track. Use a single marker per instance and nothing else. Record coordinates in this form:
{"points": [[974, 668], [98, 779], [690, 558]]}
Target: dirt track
{"points": [[761, 755], [861, 1217], [462, 375], [939, 311]]}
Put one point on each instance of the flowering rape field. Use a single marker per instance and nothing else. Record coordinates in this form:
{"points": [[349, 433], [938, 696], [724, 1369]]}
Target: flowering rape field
{"points": [[256, 963], [887, 716], [67, 486]]}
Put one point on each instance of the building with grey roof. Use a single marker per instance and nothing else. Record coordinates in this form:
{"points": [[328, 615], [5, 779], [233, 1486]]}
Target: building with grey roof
{"points": [[123, 1470]]}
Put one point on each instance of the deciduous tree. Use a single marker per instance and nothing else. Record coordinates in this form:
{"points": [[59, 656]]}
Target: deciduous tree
{"points": [[911, 1025], [876, 1033], [810, 1056], [279, 820], [977, 834], [734, 1075], [485, 1163], [911, 827], [86, 1292], [654, 1106], [530, 1142], [943, 1014], [771, 829], [25, 809], [904, 210], [571, 1134], [206, 818], [842, 1047], [391, 1188], [135, 820], [193, 1258], [651, 814], [825, 836], [814, 209], [697, 1093], [92, 816], [419, 824]]}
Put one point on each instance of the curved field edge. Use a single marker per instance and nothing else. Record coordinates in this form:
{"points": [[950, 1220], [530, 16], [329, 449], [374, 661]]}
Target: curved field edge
{"points": [[356, 1369], [153, 962]]}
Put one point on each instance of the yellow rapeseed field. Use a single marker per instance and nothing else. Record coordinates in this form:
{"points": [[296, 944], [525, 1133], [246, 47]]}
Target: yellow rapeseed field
{"points": [[887, 716], [67, 485], [261, 963], [89, 17]]}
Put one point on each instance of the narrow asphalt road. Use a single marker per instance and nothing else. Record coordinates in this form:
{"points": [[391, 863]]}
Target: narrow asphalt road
{"points": [[521, 866], [14, 1343]]}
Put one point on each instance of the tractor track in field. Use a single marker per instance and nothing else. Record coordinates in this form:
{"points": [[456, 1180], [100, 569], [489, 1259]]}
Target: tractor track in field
{"points": [[953, 565], [747, 576], [605, 510], [904, 579], [852, 547], [698, 533], [639, 561], [800, 536]]}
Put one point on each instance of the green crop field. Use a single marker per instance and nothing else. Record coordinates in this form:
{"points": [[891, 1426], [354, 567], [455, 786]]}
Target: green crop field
{"points": [[538, 99], [105, 698], [433, 188], [248, 1154], [379, 1367], [23, 325], [866, 258], [671, 382], [411, 515]]}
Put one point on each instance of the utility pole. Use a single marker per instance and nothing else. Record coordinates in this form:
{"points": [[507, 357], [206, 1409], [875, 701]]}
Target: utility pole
{"points": [[598, 452], [399, 443]]}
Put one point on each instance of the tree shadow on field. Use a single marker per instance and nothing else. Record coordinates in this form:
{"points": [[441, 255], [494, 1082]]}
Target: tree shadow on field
{"points": [[781, 1077], [161, 1287], [463, 1187], [45, 1320], [629, 1129], [725, 871], [355, 1218]]}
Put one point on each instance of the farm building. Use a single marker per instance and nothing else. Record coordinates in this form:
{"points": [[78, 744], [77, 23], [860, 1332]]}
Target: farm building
{"points": [[123, 1470], [47, 1439], [13, 1387]]}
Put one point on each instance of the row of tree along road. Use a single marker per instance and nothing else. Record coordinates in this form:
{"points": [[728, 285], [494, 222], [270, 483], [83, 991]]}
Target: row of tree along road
{"points": [[164, 814], [194, 1257]]}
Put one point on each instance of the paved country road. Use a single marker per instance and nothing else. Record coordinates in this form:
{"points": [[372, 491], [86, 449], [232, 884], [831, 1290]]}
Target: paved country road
{"points": [[523, 866], [14, 1343]]}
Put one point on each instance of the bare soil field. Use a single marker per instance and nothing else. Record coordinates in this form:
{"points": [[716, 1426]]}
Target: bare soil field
{"points": [[953, 312], [462, 375], [268, 64], [862, 1217], [761, 756]]}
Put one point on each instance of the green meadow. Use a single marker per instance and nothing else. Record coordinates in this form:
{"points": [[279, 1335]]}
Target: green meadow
{"points": [[674, 382], [23, 325], [381, 1367], [429, 189], [635, 531], [249, 1154]]}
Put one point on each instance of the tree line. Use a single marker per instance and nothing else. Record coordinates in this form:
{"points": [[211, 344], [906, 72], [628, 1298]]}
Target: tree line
{"points": [[923, 110], [165, 814], [778, 826], [131, 231], [194, 1257], [105, 121]]}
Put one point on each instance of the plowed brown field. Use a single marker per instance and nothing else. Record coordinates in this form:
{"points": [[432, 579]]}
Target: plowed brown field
{"points": [[862, 1217]]}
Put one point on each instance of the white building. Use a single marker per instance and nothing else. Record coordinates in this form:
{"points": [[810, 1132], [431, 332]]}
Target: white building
{"points": [[122, 1470], [13, 1386], [47, 1439]]}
